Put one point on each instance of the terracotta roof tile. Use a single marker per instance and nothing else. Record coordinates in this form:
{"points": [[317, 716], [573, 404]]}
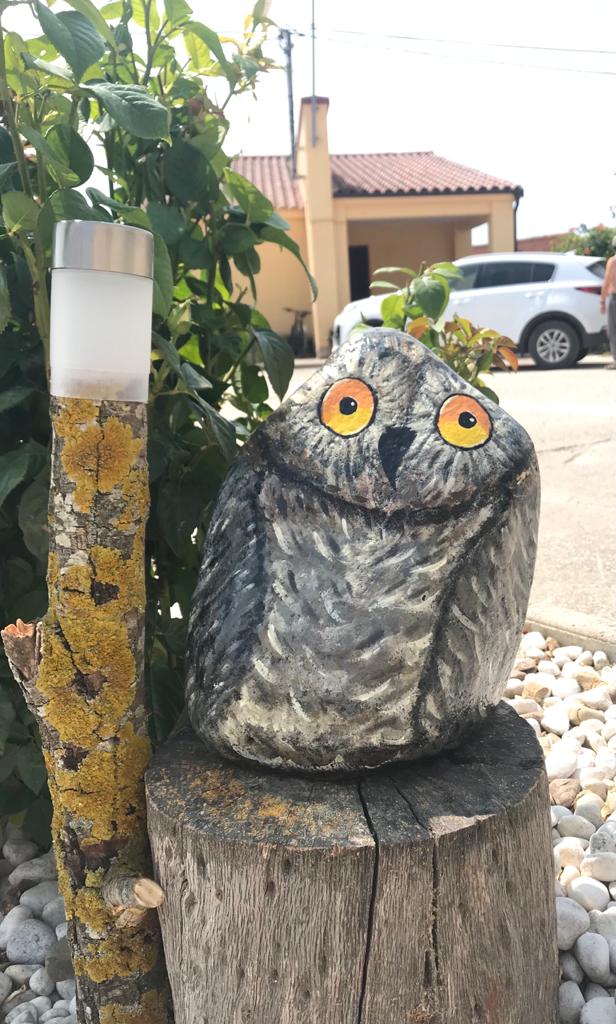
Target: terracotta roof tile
{"points": [[371, 174]]}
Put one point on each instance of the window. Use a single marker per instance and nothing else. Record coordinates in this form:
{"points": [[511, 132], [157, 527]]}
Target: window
{"points": [[499, 275], [598, 268], [543, 271], [467, 279]]}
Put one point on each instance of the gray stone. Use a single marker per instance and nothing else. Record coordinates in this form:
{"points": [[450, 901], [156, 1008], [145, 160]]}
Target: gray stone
{"points": [[599, 1011], [576, 825], [589, 893], [56, 1013], [603, 841], [61, 930], [58, 961], [6, 987], [570, 968], [20, 974], [594, 991], [42, 1004], [14, 917], [17, 1000], [571, 922], [570, 1002], [22, 1015], [53, 913], [40, 869], [30, 942], [601, 866], [66, 988], [41, 983], [16, 851], [593, 955], [603, 923], [294, 509], [39, 896]]}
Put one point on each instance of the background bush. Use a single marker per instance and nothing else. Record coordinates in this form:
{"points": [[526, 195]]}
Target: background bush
{"points": [[142, 90], [585, 241]]}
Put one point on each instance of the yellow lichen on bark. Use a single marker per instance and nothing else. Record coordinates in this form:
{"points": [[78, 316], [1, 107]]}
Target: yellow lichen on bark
{"points": [[150, 1009], [96, 456]]}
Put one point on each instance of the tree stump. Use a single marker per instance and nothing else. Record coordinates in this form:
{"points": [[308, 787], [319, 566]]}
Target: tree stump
{"points": [[417, 895]]}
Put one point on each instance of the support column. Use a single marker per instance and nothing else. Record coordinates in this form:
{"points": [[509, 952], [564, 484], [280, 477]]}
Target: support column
{"points": [[501, 222]]}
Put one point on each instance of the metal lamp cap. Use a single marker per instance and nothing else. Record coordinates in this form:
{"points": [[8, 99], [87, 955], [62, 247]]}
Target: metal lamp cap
{"points": [[100, 245]]}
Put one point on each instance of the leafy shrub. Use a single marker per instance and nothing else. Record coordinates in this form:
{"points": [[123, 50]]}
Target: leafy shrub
{"points": [[419, 309], [597, 241], [83, 92]]}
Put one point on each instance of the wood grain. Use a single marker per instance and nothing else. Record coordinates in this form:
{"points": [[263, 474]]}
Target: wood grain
{"points": [[422, 895]]}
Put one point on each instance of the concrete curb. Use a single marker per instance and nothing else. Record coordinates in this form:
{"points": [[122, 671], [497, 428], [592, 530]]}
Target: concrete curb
{"points": [[588, 631]]}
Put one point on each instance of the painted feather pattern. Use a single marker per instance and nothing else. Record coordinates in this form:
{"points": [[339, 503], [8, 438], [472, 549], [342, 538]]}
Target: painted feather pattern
{"points": [[367, 568]]}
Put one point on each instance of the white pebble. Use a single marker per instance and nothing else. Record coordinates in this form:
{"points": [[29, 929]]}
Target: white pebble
{"points": [[564, 687], [603, 841], [555, 719], [599, 1011], [561, 762], [533, 639], [12, 920], [589, 893], [601, 866], [41, 983], [17, 851], [576, 826], [594, 991], [589, 806], [570, 1002], [6, 987], [600, 660], [568, 873], [570, 968], [571, 922], [603, 923], [569, 651], [593, 955], [548, 668]]}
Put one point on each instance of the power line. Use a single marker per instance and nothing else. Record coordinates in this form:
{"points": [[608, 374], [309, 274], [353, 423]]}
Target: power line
{"points": [[468, 42], [464, 57]]}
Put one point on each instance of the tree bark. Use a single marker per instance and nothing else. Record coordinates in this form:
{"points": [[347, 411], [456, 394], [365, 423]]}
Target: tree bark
{"points": [[81, 671], [406, 897]]}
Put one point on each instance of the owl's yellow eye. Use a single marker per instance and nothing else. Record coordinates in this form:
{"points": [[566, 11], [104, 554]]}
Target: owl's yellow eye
{"points": [[463, 422], [347, 407]]}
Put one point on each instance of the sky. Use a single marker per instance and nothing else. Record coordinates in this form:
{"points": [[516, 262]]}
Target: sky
{"points": [[538, 109], [552, 131]]}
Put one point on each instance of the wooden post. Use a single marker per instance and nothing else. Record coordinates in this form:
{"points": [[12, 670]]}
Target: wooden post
{"points": [[81, 671], [418, 895]]}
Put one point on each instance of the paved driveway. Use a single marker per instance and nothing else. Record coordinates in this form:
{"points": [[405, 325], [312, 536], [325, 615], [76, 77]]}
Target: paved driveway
{"points": [[571, 417]]}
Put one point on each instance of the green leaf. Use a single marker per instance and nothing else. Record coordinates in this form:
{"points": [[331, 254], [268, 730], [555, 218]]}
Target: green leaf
{"points": [[269, 234], [19, 212], [177, 10], [13, 470], [7, 176], [97, 18], [14, 396], [488, 392], [432, 295], [237, 238], [221, 429], [37, 821], [189, 175], [31, 770], [277, 358], [139, 14], [73, 36], [163, 278], [254, 204], [71, 151], [396, 270], [254, 387], [5, 308], [213, 43], [446, 269], [32, 517], [115, 9], [393, 310], [167, 221], [133, 108]]}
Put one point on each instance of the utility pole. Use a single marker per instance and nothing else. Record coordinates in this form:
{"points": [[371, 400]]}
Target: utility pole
{"points": [[314, 76], [284, 37]]}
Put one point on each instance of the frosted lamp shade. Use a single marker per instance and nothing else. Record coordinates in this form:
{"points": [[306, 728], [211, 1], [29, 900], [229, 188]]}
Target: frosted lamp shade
{"points": [[101, 325]]}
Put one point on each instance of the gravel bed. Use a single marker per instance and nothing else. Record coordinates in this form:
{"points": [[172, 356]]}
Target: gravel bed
{"points": [[36, 977], [568, 697]]}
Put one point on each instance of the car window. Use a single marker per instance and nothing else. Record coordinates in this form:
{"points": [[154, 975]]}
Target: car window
{"points": [[498, 275], [543, 271], [467, 279], [598, 268]]}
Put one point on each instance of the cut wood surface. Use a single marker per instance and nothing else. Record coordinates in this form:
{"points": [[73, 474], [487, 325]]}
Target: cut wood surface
{"points": [[418, 895]]}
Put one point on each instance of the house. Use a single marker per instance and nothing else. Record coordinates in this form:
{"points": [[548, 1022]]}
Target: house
{"points": [[536, 243], [351, 214]]}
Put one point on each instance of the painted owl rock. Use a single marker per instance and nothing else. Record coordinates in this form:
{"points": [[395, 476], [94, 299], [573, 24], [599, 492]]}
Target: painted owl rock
{"points": [[366, 572]]}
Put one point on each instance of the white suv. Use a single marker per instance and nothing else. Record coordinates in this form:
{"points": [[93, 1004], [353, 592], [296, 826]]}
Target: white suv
{"points": [[547, 302]]}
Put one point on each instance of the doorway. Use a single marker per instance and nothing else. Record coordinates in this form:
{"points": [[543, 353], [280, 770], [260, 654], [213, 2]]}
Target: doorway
{"points": [[359, 271]]}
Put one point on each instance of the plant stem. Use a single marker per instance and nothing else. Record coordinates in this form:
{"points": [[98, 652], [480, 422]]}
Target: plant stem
{"points": [[9, 108]]}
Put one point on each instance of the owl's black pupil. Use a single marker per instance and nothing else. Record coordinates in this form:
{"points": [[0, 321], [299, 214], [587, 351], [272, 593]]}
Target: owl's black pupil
{"points": [[466, 419], [347, 406]]}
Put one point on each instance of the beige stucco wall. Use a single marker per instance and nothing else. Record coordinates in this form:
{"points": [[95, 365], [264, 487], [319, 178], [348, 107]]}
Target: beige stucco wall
{"points": [[403, 243], [282, 280]]}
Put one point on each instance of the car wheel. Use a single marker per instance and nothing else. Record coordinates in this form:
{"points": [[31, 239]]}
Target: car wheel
{"points": [[583, 352], [554, 345]]}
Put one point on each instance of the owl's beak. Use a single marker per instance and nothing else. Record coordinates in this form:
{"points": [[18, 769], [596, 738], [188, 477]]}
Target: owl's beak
{"points": [[394, 443]]}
